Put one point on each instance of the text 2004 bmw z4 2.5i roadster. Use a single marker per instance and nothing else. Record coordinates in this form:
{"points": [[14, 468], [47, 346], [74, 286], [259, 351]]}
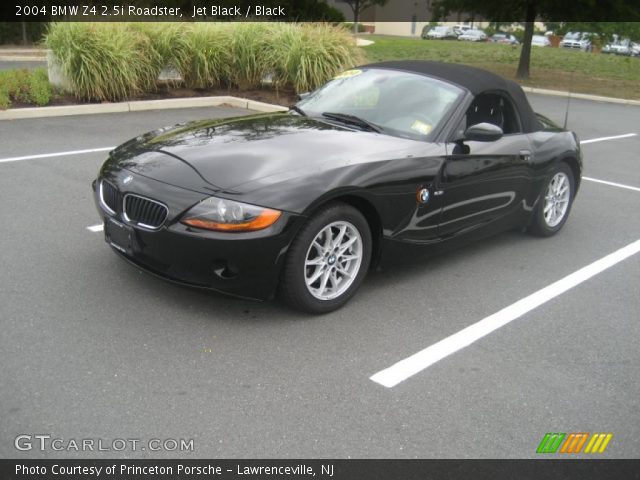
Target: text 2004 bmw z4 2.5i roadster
{"points": [[304, 202]]}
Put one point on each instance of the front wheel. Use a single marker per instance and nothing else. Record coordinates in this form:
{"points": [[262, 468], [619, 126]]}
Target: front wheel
{"points": [[555, 202], [327, 260]]}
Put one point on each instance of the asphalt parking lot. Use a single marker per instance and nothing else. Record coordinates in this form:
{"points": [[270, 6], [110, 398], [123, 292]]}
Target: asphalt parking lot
{"points": [[93, 348], [28, 64]]}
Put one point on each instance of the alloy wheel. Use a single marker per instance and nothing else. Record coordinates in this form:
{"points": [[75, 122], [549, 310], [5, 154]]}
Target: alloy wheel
{"points": [[333, 260], [556, 200]]}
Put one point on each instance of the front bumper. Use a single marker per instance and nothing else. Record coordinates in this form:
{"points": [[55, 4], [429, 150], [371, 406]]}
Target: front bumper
{"points": [[245, 265]]}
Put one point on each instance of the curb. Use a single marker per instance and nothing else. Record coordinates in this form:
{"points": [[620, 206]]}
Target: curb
{"points": [[583, 96], [22, 58], [138, 106]]}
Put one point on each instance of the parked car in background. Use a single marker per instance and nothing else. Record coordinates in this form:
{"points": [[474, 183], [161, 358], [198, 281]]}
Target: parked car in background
{"points": [[439, 32], [540, 41], [577, 41], [473, 36], [460, 29], [504, 38], [635, 49], [619, 46]]}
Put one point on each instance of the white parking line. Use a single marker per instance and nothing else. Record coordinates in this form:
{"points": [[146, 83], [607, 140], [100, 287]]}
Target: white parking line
{"points": [[602, 139], [392, 376], [58, 154], [613, 184], [96, 228]]}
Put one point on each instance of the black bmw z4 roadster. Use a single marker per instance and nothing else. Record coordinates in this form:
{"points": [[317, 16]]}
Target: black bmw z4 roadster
{"points": [[303, 203]]}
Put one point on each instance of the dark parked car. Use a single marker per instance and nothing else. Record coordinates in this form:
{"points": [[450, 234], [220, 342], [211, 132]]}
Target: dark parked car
{"points": [[305, 202]]}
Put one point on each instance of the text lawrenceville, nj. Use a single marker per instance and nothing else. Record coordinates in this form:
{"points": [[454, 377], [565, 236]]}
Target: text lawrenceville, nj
{"points": [[127, 469]]}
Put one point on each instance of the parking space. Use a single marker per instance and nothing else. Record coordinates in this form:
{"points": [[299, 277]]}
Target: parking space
{"points": [[93, 347]]}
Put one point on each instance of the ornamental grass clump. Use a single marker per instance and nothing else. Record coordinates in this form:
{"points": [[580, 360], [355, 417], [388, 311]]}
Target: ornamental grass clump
{"points": [[206, 60], [115, 61], [104, 61], [305, 56], [168, 45], [249, 47]]}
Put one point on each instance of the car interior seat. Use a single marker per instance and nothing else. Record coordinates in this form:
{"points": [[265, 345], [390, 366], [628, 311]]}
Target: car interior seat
{"points": [[486, 108]]}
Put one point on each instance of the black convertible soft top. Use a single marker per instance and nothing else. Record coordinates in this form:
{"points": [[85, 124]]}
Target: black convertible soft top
{"points": [[473, 79]]}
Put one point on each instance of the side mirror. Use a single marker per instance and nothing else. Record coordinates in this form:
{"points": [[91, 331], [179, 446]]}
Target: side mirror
{"points": [[483, 132]]}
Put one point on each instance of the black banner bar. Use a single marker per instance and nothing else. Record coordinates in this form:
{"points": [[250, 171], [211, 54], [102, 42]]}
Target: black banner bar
{"points": [[412, 11], [543, 469]]}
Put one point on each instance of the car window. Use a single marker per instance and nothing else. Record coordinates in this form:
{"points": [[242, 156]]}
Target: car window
{"points": [[493, 108], [401, 103]]}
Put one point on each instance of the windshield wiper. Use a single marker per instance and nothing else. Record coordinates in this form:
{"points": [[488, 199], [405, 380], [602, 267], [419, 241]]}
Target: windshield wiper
{"points": [[352, 119], [297, 109]]}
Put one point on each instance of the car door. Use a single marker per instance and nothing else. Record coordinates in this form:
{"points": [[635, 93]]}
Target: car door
{"points": [[485, 182]]}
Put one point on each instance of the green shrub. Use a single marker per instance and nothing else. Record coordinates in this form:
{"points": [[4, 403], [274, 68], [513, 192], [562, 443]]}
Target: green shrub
{"points": [[15, 84], [40, 90], [5, 102], [361, 27], [24, 86]]}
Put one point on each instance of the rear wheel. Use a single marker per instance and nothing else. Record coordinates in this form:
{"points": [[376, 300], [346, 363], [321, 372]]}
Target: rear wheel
{"points": [[555, 202], [328, 260]]}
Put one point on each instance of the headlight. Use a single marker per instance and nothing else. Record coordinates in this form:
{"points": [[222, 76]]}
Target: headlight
{"points": [[228, 216]]}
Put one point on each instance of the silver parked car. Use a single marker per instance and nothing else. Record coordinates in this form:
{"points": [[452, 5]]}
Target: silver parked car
{"points": [[504, 38], [439, 32], [540, 41], [577, 41], [473, 36], [619, 46]]}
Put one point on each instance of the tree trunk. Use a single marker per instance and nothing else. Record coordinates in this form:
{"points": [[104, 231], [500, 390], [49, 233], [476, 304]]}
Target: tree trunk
{"points": [[525, 53], [25, 39], [356, 16]]}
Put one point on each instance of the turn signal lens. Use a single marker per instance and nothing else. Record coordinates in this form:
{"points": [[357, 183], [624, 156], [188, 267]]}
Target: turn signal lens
{"points": [[229, 216]]}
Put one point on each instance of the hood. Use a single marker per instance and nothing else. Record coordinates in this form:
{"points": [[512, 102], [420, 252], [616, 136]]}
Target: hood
{"points": [[224, 154]]}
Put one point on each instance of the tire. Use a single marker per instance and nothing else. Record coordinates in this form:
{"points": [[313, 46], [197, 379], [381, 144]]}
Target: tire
{"points": [[317, 279], [544, 223]]}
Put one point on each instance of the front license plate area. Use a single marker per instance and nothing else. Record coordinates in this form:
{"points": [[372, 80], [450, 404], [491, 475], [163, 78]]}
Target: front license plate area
{"points": [[119, 236]]}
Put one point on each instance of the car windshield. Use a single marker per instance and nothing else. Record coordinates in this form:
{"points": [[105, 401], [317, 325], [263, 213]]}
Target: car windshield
{"points": [[475, 33], [440, 29], [572, 36], [398, 103]]}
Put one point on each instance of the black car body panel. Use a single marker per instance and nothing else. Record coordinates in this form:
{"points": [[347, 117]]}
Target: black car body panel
{"points": [[295, 164]]}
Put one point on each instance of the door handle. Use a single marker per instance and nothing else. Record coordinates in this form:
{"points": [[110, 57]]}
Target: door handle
{"points": [[525, 155]]}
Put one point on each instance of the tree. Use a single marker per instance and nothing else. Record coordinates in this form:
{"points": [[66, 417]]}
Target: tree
{"points": [[548, 10], [359, 6]]}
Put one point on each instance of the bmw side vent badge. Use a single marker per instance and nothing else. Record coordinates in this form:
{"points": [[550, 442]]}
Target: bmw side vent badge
{"points": [[423, 195]]}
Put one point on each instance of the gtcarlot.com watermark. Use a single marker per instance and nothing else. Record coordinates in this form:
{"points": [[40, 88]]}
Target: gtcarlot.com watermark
{"points": [[49, 443]]}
